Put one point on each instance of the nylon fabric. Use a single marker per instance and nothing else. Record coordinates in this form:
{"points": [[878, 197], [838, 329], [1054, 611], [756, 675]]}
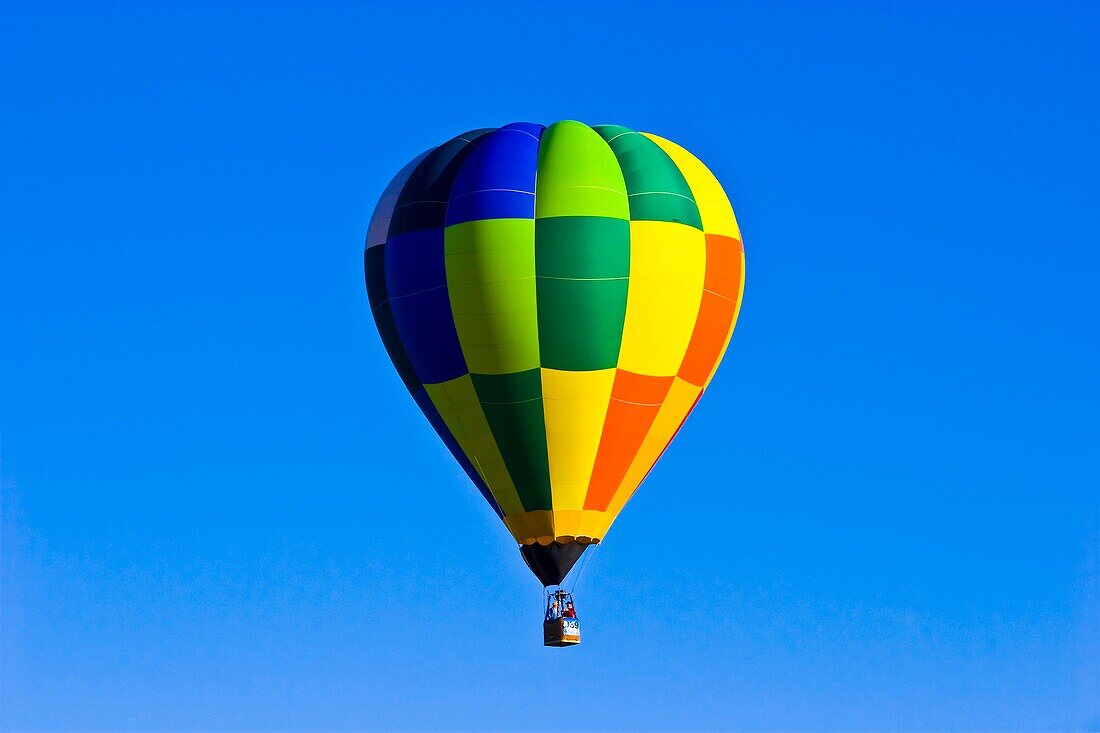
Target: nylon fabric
{"points": [[556, 299]]}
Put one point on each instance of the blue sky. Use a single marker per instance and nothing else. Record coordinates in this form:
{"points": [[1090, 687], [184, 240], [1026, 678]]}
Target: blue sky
{"points": [[883, 515]]}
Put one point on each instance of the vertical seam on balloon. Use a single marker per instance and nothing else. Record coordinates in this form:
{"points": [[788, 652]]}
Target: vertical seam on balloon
{"points": [[442, 227], [486, 492], [660, 454], [526, 494], [469, 438], [653, 425], [622, 487], [538, 334], [462, 346], [489, 496], [670, 165], [733, 324], [706, 260], [386, 252], [706, 263], [622, 327], [645, 437]]}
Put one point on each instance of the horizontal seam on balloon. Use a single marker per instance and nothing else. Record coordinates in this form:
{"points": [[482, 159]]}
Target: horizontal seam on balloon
{"points": [[469, 435], [486, 190], [418, 292], [582, 400], [452, 249], [723, 297], [483, 282], [627, 132], [515, 129], [479, 286], [661, 193], [580, 279], [503, 345], [642, 404], [492, 312], [601, 188], [520, 402], [415, 203], [524, 309]]}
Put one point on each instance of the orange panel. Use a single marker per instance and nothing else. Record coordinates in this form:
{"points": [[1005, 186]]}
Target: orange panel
{"points": [[740, 298], [681, 398], [716, 311], [723, 273], [635, 401], [641, 388], [713, 325], [679, 427]]}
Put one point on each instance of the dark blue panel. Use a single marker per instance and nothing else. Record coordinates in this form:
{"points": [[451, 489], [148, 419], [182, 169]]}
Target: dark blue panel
{"points": [[416, 284], [497, 179], [416, 278], [374, 266], [414, 262], [423, 201], [427, 332], [374, 269], [430, 412]]}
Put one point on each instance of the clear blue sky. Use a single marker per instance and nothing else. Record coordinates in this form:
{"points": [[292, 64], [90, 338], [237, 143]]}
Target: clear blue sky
{"points": [[883, 515]]}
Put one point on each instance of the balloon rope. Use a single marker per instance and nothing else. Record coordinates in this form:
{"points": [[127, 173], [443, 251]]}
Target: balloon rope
{"points": [[584, 565]]}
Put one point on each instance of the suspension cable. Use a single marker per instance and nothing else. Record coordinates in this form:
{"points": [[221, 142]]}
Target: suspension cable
{"points": [[584, 565]]}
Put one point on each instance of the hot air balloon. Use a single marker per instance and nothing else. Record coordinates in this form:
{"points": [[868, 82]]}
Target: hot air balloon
{"points": [[556, 299]]}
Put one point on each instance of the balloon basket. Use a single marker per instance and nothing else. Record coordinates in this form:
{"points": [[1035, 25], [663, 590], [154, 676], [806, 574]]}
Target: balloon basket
{"points": [[561, 627], [561, 632]]}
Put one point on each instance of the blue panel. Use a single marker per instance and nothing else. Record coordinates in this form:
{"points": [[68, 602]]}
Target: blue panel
{"points": [[416, 283], [414, 262], [436, 420], [497, 179], [423, 201], [416, 279], [491, 205], [374, 266], [427, 331], [531, 128], [379, 227]]}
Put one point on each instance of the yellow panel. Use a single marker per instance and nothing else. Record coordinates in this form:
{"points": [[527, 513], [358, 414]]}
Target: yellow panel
{"points": [[499, 343], [667, 268], [575, 405], [527, 527], [567, 522], [593, 524], [491, 285], [714, 205], [681, 397], [736, 313], [457, 403], [546, 525]]}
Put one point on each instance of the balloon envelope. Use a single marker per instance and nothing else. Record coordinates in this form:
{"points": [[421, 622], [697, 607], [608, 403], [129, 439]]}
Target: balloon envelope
{"points": [[555, 299]]}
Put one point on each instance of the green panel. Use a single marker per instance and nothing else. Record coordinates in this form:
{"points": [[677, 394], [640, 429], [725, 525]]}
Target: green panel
{"points": [[513, 407], [582, 247], [583, 266], [656, 187], [491, 283], [458, 405], [578, 174], [581, 323]]}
